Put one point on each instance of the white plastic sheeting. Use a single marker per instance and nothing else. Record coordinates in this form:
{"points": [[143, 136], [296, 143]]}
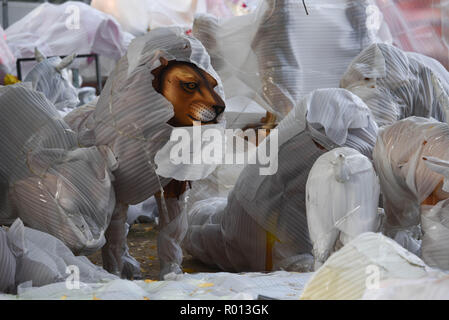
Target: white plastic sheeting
{"points": [[397, 84], [349, 180], [47, 181], [263, 211], [291, 53], [50, 77], [72, 27], [42, 259], [201, 286], [411, 159], [363, 264]]}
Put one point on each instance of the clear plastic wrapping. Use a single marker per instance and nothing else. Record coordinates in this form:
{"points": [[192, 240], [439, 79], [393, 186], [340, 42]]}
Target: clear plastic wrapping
{"points": [[270, 210], [8, 264], [397, 84], [348, 182], [411, 157], [47, 181], [42, 259], [51, 78], [131, 116], [418, 25], [71, 27], [294, 50]]}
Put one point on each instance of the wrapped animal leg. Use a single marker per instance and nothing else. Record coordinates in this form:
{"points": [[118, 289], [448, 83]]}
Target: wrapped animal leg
{"points": [[115, 246], [173, 226]]}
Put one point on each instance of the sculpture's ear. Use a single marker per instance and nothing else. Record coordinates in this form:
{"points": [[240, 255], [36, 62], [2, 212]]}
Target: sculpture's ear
{"points": [[157, 73], [38, 55], [65, 62]]}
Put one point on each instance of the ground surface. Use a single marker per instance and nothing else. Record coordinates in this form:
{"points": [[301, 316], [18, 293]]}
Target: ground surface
{"points": [[142, 243]]}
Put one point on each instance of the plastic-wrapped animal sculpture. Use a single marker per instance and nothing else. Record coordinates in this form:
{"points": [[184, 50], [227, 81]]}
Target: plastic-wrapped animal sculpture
{"points": [[164, 81], [397, 84], [50, 77], [47, 181]]}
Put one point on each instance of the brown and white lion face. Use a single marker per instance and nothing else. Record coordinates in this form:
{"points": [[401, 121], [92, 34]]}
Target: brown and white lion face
{"points": [[191, 92]]}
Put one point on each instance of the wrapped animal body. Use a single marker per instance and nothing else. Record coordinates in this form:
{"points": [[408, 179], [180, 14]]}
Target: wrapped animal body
{"points": [[47, 181], [397, 84]]}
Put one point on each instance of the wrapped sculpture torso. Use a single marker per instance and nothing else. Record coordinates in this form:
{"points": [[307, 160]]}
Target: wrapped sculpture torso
{"points": [[50, 183], [396, 84], [293, 51]]}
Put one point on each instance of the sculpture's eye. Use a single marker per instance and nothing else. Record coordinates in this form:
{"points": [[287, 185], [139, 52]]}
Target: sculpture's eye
{"points": [[189, 86]]}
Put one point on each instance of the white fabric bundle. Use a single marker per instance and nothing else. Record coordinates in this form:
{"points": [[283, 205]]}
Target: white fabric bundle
{"points": [[291, 53], [72, 27], [274, 205], [397, 84], [351, 189], [43, 259], [411, 159], [47, 181], [131, 116], [53, 83]]}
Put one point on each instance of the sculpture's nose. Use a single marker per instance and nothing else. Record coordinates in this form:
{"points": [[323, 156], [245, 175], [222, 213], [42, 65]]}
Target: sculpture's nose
{"points": [[219, 109]]}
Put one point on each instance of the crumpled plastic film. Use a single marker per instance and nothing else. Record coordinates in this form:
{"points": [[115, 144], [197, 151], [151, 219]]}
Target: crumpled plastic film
{"points": [[55, 85], [397, 84], [68, 28], [43, 259], [7, 264], [293, 51], [82, 122], [47, 181], [131, 116], [400, 157], [349, 179], [265, 215], [418, 26], [435, 239], [360, 265]]}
